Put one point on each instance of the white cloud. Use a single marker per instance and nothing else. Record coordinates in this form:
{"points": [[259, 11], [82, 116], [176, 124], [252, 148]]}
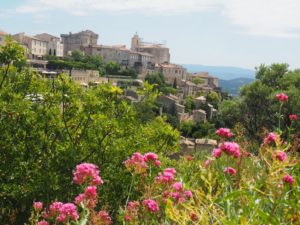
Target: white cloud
{"points": [[278, 18]]}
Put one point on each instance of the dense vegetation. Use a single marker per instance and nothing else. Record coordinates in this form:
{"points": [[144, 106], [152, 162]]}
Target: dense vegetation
{"points": [[47, 129], [51, 130], [79, 60]]}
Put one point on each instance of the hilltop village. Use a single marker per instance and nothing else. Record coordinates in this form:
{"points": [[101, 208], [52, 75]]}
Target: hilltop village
{"points": [[187, 100]]}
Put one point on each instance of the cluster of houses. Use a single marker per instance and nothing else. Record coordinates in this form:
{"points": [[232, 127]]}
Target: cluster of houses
{"points": [[143, 57]]}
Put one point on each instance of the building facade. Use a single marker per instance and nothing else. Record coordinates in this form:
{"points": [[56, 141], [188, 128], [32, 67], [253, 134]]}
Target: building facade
{"points": [[54, 45], [75, 41], [36, 47], [160, 53], [171, 72]]}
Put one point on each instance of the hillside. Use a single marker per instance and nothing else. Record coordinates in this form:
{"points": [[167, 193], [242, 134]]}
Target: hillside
{"points": [[233, 86]]}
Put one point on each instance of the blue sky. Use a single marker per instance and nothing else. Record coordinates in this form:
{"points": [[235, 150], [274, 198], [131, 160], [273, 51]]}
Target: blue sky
{"points": [[243, 33]]}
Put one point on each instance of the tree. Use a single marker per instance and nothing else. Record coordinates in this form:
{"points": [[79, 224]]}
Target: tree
{"points": [[197, 80], [11, 54], [112, 68], [213, 98]]}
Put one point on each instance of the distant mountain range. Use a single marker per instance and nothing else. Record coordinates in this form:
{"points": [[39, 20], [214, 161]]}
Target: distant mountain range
{"points": [[233, 86], [231, 79], [222, 72]]}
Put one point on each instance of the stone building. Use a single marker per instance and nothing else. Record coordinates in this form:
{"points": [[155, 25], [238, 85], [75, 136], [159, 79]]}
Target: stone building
{"points": [[199, 115], [208, 80], [36, 47], [75, 41], [54, 45], [205, 144], [2, 37], [171, 72], [142, 62], [160, 53]]}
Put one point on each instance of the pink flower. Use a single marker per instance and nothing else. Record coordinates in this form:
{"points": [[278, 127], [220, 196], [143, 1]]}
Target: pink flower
{"points": [[38, 206], [282, 97], [133, 205], [224, 132], [150, 156], [188, 194], [43, 222], [157, 163], [90, 192], [87, 173], [293, 117], [167, 176], [230, 148], [54, 209], [207, 163], [189, 158], [281, 156], [170, 170], [217, 152], [79, 199], [288, 179], [151, 205], [132, 210], [177, 186], [270, 138], [67, 211], [136, 163], [229, 170], [104, 217]]}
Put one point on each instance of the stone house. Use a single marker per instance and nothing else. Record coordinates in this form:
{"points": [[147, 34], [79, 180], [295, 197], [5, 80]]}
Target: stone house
{"points": [[54, 45], [36, 47]]}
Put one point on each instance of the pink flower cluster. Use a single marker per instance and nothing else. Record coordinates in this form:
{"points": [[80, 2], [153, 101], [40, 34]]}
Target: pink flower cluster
{"points": [[282, 97], [104, 217], [281, 156], [229, 170], [178, 193], [87, 173], [131, 212], [43, 222], [230, 148], [293, 117], [62, 212], [67, 211], [138, 163], [270, 138], [38, 206], [288, 179], [151, 205], [224, 132], [89, 197], [167, 176]]}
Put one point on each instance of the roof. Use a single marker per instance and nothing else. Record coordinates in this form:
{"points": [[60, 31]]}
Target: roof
{"points": [[41, 36], [201, 98], [3, 32], [199, 110], [205, 141], [170, 65]]}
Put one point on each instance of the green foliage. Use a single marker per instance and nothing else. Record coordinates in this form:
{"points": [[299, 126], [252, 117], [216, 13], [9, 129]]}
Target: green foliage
{"points": [[112, 68], [48, 128], [257, 108], [159, 80], [213, 98], [189, 104], [198, 80], [198, 130]]}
